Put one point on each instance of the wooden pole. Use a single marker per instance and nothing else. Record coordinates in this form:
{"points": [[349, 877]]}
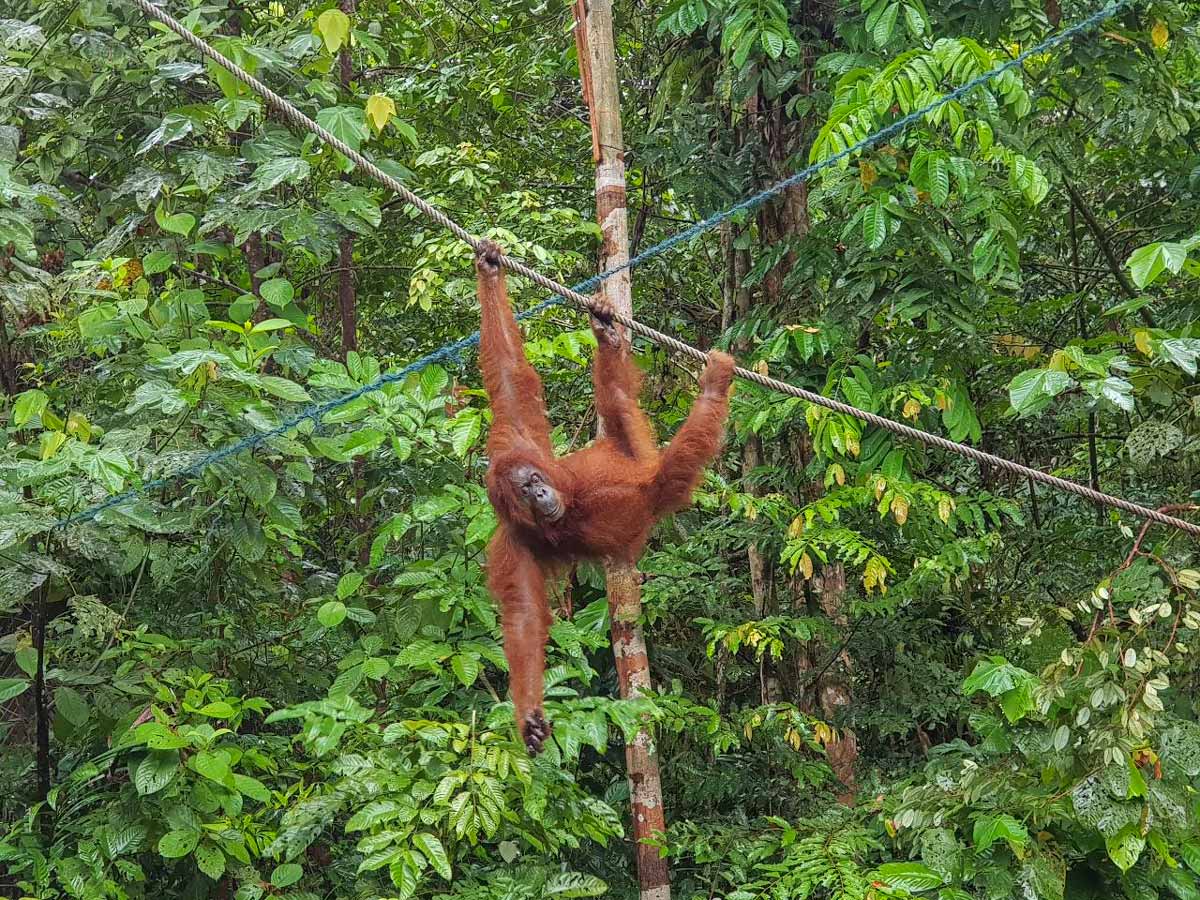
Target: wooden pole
{"points": [[347, 300], [594, 28]]}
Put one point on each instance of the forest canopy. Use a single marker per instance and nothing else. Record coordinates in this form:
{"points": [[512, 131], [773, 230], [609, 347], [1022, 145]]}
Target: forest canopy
{"points": [[247, 649]]}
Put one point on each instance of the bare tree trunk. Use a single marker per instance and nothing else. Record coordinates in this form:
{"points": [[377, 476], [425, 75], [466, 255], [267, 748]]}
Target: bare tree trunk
{"points": [[347, 301], [594, 19], [834, 689]]}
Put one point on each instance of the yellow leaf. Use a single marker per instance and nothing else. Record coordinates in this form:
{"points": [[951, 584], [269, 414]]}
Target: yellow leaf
{"points": [[890, 826], [796, 528], [380, 109], [761, 367], [852, 445], [880, 487], [1059, 361], [806, 565], [1141, 340], [866, 174], [912, 409], [51, 442], [943, 401], [900, 510], [334, 28], [945, 507], [839, 474], [1159, 34]]}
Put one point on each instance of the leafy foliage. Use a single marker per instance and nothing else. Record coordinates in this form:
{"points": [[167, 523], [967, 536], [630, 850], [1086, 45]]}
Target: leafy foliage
{"points": [[877, 670]]}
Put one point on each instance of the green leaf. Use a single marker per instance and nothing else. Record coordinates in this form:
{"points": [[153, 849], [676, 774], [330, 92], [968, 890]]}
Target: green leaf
{"points": [[885, 24], [989, 829], [433, 850], [376, 668], [332, 613], [1183, 352], [234, 50], [214, 765], [875, 225], [271, 325], [173, 127], [158, 261], [566, 885], [218, 709], [1190, 852], [12, 687], [157, 736], [252, 788], [178, 223], [334, 27], [344, 122], [177, 844], [284, 389], [29, 404], [480, 528], [405, 876], [1125, 847], [210, 860], [434, 381], [348, 584], [274, 172], [1032, 391], [432, 508], [994, 676], [909, 876], [466, 669], [71, 706], [374, 813], [772, 43], [286, 874], [465, 429], [1017, 702], [278, 292], [330, 448], [1147, 263], [26, 659], [939, 179], [156, 770]]}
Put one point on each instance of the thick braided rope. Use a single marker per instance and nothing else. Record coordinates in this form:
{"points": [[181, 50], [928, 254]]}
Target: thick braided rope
{"points": [[296, 117]]}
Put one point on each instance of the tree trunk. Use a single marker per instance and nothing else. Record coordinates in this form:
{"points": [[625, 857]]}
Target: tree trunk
{"points": [[594, 24], [348, 306], [833, 691], [347, 301]]}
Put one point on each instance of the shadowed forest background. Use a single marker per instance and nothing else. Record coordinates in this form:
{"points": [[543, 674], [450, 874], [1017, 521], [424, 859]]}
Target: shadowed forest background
{"points": [[878, 671]]}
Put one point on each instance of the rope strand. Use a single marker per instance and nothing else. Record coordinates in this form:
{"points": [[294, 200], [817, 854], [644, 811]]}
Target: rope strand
{"points": [[574, 295]]}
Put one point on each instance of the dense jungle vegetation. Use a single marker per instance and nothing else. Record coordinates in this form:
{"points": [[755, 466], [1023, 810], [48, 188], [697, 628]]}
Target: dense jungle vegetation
{"points": [[878, 670]]}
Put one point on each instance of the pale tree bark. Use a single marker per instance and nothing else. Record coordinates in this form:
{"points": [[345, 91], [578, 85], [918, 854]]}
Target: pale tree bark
{"points": [[347, 301], [833, 689], [594, 33]]}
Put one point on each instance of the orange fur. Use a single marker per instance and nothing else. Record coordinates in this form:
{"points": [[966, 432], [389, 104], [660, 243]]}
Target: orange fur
{"points": [[612, 492]]}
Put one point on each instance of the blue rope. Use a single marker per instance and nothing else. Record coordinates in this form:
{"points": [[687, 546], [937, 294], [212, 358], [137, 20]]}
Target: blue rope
{"points": [[451, 351]]}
